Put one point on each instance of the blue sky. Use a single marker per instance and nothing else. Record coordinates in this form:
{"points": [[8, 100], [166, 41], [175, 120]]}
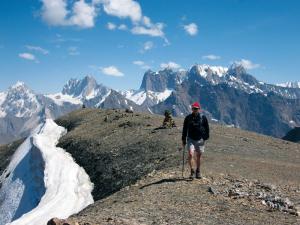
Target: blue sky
{"points": [[45, 43]]}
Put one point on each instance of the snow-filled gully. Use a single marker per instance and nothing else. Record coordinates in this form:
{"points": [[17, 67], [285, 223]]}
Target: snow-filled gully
{"points": [[42, 181]]}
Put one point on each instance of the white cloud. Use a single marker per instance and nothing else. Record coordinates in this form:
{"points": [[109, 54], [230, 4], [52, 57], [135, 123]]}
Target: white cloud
{"points": [[155, 31], [111, 71], [170, 65], [84, 14], [73, 51], [60, 39], [56, 13], [123, 9], [28, 56], [147, 22], [141, 64], [111, 26], [149, 28], [247, 64], [211, 57], [146, 27], [148, 45], [122, 27], [138, 62], [37, 49], [191, 29]]}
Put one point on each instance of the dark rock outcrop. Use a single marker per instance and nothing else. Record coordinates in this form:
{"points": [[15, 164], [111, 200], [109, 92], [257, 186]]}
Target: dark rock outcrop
{"points": [[162, 80]]}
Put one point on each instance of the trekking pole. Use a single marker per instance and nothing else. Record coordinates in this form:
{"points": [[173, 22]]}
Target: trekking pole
{"points": [[183, 149]]}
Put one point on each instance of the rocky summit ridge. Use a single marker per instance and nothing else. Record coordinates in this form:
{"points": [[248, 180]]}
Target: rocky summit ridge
{"points": [[136, 168]]}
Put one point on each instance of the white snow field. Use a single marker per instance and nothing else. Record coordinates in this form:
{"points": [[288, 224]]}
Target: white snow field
{"points": [[42, 181]]}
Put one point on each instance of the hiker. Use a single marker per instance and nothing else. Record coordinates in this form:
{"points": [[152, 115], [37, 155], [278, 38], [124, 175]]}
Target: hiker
{"points": [[194, 134], [168, 121]]}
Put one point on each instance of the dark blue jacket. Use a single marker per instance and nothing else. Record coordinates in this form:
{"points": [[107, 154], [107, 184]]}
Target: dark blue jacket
{"points": [[195, 127]]}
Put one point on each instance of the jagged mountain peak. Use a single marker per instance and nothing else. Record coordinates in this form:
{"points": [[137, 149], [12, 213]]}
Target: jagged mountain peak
{"points": [[89, 79], [161, 80], [237, 68], [83, 88], [167, 69], [205, 70], [149, 71], [19, 101], [19, 91], [19, 86], [239, 72]]}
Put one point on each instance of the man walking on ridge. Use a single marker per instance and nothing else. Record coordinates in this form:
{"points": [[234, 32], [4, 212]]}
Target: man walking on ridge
{"points": [[194, 134]]}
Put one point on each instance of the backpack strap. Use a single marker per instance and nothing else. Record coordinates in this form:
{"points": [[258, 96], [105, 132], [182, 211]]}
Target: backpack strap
{"points": [[201, 118]]}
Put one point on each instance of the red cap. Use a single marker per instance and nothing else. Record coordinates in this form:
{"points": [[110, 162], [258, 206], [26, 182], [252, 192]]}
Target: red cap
{"points": [[196, 105]]}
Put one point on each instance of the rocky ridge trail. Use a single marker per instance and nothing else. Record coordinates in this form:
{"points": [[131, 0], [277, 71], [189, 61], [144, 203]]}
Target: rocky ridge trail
{"points": [[163, 197], [136, 170]]}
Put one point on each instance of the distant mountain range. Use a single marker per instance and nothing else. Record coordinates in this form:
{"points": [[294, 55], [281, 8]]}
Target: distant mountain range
{"points": [[21, 109], [230, 96], [236, 98]]}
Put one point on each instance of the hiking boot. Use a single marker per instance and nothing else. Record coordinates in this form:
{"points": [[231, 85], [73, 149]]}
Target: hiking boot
{"points": [[198, 174], [192, 174]]}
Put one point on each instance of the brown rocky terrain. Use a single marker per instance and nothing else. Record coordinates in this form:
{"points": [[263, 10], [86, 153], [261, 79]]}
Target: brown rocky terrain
{"points": [[247, 178]]}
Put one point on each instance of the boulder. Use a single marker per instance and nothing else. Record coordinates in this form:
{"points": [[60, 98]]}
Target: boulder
{"points": [[57, 221]]}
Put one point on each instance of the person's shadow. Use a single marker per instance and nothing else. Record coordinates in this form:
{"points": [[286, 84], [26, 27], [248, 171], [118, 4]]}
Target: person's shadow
{"points": [[167, 180]]}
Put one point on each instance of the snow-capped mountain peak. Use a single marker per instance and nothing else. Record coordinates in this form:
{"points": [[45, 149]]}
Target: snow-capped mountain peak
{"points": [[19, 101], [206, 70], [156, 86], [85, 88], [81, 91], [19, 85]]}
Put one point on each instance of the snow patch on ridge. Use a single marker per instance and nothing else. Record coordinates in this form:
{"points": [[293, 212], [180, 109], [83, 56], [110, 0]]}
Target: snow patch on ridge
{"points": [[161, 96], [137, 97], [140, 96], [103, 98], [43, 181], [60, 99]]}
